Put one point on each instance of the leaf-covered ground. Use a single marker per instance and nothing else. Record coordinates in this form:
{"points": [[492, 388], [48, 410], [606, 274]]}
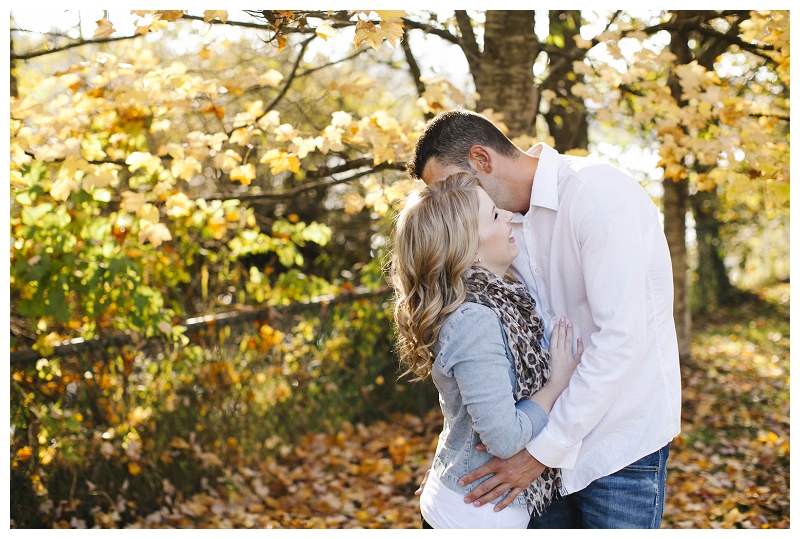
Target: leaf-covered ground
{"points": [[729, 468]]}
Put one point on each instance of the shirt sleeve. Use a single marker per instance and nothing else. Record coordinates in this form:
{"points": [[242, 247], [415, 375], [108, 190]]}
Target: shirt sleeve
{"points": [[476, 358], [609, 220]]}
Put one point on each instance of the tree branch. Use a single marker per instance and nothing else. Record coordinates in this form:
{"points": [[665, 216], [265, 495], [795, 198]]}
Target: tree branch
{"points": [[289, 193], [429, 29], [289, 80], [468, 42], [30, 55], [416, 74]]}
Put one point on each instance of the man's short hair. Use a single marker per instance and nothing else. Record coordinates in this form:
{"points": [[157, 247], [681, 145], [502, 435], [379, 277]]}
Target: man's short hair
{"points": [[449, 136]]}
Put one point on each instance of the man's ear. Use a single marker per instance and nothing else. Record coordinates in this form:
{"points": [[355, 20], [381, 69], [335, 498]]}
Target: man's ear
{"points": [[480, 158]]}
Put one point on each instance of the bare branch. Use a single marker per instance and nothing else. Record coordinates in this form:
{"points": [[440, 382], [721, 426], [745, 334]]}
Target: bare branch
{"points": [[429, 29], [416, 74], [37, 54], [289, 193], [468, 42], [303, 46]]}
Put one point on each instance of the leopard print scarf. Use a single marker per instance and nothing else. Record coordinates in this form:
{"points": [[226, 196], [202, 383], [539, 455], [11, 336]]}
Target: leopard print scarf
{"points": [[524, 329]]}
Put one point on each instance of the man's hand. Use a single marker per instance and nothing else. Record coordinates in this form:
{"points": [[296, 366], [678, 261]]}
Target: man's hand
{"points": [[514, 474], [422, 485]]}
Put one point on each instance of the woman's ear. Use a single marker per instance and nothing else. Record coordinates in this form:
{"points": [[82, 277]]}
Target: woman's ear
{"points": [[481, 159]]}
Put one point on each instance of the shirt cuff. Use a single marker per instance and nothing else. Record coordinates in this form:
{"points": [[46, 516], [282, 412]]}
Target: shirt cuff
{"points": [[535, 413], [550, 452]]}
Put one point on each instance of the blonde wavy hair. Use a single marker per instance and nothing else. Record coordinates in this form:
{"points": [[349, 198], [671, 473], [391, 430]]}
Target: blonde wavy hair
{"points": [[435, 241]]}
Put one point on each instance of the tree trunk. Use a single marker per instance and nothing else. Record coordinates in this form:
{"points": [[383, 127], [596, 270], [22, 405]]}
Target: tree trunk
{"points": [[566, 118], [504, 78], [676, 195], [713, 287]]}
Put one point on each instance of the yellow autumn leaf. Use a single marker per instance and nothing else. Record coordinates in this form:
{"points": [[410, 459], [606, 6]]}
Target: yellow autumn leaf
{"points": [[175, 150], [100, 176], [104, 29], [145, 160], [242, 135], [154, 233], [24, 108], [71, 166], [391, 30], [353, 203], [387, 14], [279, 161], [132, 202], [149, 213], [302, 146], [179, 205], [256, 108], [377, 201], [401, 189], [62, 188], [24, 453], [325, 31], [170, 14], [211, 14], [134, 468], [285, 132], [243, 173], [186, 169], [226, 160]]}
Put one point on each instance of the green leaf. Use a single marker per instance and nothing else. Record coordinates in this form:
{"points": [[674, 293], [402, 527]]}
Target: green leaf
{"points": [[318, 233], [102, 195], [25, 197], [57, 300], [287, 254], [97, 229], [31, 215], [59, 219]]}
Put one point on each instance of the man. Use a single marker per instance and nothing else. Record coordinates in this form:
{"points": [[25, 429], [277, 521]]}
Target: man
{"points": [[591, 249]]}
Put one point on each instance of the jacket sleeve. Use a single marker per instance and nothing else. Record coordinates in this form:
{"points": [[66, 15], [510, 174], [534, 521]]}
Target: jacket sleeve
{"points": [[475, 356]]}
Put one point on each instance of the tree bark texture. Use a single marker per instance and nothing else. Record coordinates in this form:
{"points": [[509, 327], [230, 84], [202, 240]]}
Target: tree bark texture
{"points": [[503, 74], [676, 195], [566, 118], [713, 287]]}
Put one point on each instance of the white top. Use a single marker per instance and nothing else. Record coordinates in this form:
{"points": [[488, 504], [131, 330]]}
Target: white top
{"points": [[592, 249], [443, 508]]}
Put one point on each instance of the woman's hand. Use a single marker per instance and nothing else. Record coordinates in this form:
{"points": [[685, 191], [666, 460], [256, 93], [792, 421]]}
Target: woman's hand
{"points": [[562, 365], [562, 362]]}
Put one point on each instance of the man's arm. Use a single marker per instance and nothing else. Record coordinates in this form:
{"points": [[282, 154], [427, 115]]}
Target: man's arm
{"points": [[514, 474], [521, 469]]}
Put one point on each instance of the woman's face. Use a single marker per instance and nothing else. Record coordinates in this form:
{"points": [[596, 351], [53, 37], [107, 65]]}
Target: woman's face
{"points": [[496, 246]]}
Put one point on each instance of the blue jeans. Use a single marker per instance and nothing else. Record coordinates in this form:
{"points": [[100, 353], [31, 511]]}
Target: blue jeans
{"points": [[630, 498]]}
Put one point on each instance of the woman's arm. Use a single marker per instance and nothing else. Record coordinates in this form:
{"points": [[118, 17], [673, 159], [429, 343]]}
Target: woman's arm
{"points": [[562, 365], [473, 352]]}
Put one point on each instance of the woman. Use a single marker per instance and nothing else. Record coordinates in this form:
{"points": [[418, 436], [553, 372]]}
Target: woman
{"points": [[475, 331]]}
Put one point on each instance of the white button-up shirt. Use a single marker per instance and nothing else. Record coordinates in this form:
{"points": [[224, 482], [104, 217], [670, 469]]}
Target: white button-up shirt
{"points": [[592, 249]]}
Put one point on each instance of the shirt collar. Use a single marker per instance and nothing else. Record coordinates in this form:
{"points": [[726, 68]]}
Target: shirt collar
{"points": [[544, 191]]}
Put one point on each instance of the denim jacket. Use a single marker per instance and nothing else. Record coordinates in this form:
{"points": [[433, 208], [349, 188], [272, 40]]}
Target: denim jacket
{"points": [[474, 373]]}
